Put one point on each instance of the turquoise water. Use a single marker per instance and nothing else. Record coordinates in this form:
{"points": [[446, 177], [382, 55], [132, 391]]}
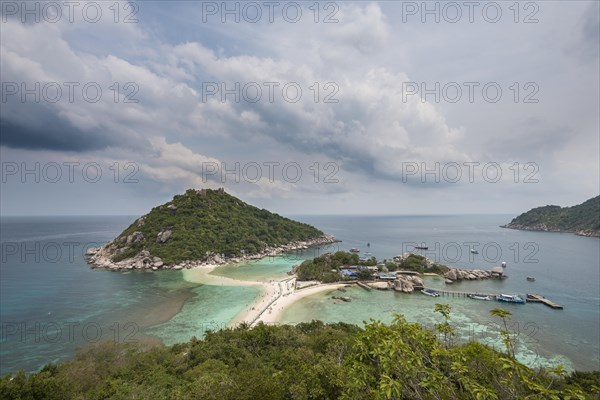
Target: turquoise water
{"points": [[471, 322], [261, 270], [566, 268], [52, 303], [54, 293], [211, 309]]}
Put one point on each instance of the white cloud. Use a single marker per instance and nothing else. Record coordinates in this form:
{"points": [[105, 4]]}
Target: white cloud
{"points": [[371, 131]]}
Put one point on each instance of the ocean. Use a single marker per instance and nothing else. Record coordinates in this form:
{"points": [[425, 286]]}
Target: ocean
{"points": [[52, 303]]}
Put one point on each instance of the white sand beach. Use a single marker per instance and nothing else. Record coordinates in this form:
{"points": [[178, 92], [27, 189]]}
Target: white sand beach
{"points": [[276, 310], [268, 307], [202, 274]]}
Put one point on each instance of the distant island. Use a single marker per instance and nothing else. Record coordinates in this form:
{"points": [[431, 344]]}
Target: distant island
{"points": [[582, 219], [200, 227]]}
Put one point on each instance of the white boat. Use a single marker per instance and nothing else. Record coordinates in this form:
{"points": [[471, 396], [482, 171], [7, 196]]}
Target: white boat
{"points": [[473, 251], [479, 297], [354, 250], [430, 292]]}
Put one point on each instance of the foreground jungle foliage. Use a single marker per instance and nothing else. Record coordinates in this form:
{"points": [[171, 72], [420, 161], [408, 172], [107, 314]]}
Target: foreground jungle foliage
{"points": [[307, 361]]}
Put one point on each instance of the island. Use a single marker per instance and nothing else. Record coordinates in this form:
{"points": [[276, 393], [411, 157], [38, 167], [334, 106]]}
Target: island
{"points": [[401, 274], [582, 219], [203, 227]]}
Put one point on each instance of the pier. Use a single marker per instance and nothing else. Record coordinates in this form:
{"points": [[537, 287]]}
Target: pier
{"points": [[364, 285], [530, 298], [460, 294], [536, 298]]}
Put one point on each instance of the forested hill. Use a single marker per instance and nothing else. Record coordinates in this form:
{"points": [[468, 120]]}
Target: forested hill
{"points": [[201, 223], [582, 219], [312, 360]]}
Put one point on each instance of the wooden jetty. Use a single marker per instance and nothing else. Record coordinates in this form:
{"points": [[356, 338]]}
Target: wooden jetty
{"points": [[531, 298], [536, 298], [461, 294], [363, 285]]}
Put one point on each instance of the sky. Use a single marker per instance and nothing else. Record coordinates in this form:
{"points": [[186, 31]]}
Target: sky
{"points": [[393, 107]]}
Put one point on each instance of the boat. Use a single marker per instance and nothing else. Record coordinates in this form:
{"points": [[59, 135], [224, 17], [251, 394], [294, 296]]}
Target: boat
{"points": [[368, 244], [510, 298], [354, 250], [430, 292], [473, 251], [343, 298], [479, 297], [368, 253], [422, 246], [531, 279], [503, 264]]}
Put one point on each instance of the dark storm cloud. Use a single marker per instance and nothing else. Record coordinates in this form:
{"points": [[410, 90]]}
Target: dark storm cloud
{"points": [[590, 31], [43, 130]]}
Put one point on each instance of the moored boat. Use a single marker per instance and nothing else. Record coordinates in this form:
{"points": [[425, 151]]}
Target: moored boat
{"points": [[430, 292], [531, 279], [479, 297], [473, 251], [354, 250], [510, 298], [422, 246], [343, 298]]}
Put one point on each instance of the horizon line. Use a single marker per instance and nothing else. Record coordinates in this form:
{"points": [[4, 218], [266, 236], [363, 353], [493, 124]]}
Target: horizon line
{"points": [[303, 214]]}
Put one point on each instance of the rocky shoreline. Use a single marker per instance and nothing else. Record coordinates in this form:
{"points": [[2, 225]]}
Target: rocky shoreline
{"points": [[456, 274], [545, 228], [410, 283], [101, 257]]}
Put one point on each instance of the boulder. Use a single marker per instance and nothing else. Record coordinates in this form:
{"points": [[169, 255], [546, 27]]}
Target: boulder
{"points": [[451, 275], [163, 236], [406, 283], [417, 281], [141, 222], [380, 285], [135, 237]]}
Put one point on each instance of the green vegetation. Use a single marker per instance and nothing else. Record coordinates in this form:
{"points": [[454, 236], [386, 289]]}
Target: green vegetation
{"points": [[583, 217], [416, 262], [325, 268], [308, 361], [209, 221]]}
